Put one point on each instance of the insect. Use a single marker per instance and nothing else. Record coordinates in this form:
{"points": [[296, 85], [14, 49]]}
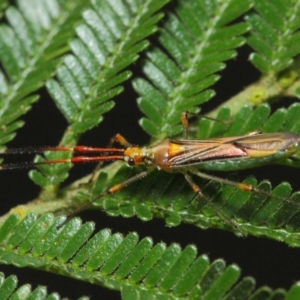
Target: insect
{"points": [[185, 156]]}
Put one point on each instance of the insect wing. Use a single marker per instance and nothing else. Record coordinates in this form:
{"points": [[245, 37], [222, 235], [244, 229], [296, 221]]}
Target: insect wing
{"points": [[188, 152], [268, 144], [198, 151]]}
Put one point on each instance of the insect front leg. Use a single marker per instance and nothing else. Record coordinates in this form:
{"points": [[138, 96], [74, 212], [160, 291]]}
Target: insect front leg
{"points": [[112, 190]]}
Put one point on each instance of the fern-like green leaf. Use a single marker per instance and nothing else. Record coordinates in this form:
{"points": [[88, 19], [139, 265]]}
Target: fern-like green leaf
{"points": [[138, 269], [180, 82], [91, 76], [275, 34], [168, 196], [104, 47], [29, 47], [10, 290], [194, 40], [3, 5], [253, 213]]}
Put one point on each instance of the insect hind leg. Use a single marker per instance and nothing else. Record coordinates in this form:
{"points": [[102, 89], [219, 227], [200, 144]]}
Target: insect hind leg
{"points": [[198, 192], [241, 186]]}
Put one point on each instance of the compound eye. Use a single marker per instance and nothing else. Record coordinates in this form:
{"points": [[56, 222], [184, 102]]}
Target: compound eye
{"points": [[131, 161]]}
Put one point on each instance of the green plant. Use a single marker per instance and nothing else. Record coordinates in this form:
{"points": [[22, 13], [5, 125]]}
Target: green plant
{"points": [[83, 52]]}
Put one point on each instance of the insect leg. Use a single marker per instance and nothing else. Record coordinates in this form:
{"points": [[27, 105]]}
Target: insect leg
{"points": [[112, 190], [185, 121], [121, 140], [199, 193], [240, 186]]}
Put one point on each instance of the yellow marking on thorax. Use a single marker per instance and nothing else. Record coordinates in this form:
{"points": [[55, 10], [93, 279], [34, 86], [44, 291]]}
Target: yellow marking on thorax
{"points": [[136, 153], [133, 151], [175, 149]]}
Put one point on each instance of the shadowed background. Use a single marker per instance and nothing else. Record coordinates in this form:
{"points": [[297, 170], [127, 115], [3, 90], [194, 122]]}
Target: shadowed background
{"points": [[270, 263]]}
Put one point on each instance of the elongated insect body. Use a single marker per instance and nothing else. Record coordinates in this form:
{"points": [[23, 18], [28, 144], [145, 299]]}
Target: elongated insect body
{"points": [[224, 154], [187, 157]]}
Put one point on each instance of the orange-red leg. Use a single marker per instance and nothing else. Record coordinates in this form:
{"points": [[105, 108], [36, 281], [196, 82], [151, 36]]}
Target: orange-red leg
{"points": [[239, 185], [199, 193], [112, 190]]}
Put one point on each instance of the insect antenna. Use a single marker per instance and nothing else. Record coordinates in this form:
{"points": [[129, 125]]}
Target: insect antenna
{"points": [[104, 154]]}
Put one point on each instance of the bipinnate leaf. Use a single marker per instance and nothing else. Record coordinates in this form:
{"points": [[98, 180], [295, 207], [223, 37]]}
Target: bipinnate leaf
{"points": [[137, 269], [30, 45], [9, 290], [168, 196], [92, 74], [182, 69], [274, 34]]}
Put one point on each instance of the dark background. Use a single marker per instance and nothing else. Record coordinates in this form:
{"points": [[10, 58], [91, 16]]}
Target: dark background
{"points": [[270, 262]]}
